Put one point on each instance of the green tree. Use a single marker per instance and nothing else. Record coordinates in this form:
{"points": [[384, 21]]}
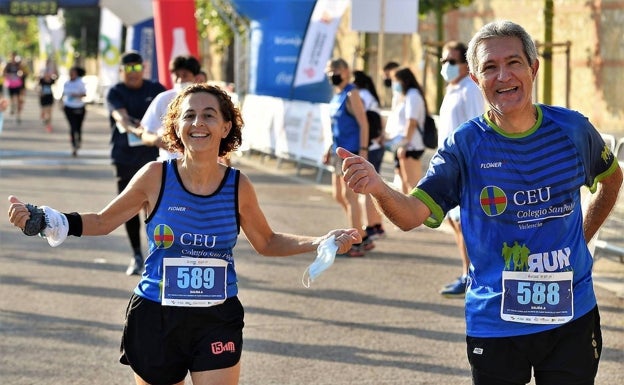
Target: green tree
{"points": [[443, 6], [20, 34], [83, 25], [218, 21], [211, 18]]}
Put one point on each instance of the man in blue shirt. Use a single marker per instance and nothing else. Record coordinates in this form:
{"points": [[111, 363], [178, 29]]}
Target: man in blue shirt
{"points": [[516, 174]]}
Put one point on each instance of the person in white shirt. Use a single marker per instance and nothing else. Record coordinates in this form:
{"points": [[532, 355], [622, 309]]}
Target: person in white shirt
{"points": [[463, 101], [368, 93], [404, 125], [388, 71], [74, 107], [185, 71]]}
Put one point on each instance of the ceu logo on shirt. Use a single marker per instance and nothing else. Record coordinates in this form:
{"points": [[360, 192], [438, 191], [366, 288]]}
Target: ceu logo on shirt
{"points": [[493, 201], [163, 236]]}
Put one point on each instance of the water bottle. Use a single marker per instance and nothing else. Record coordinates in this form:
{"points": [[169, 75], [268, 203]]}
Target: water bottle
{"points": [[179, 46]]}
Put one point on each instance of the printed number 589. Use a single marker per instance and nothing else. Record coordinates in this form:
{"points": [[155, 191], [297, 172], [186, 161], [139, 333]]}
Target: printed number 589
{"points": [[195, 277]]}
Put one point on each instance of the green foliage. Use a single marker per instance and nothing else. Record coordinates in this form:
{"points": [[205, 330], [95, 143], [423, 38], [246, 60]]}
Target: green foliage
{"points": [[212, 22], [20, 34], [440, 6], [87, 20]]}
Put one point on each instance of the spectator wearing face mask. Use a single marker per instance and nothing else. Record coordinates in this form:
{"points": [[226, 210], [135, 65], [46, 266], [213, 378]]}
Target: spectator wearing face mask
{"points": [[388, 71], [349, 130], [462, 102], [403, 128]]}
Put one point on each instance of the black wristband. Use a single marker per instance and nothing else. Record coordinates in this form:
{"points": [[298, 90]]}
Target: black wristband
{"points": [[74, 222], [363, 148]]}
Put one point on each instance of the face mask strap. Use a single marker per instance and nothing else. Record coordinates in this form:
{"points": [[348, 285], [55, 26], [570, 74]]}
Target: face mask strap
{"points": [[305, 278]]}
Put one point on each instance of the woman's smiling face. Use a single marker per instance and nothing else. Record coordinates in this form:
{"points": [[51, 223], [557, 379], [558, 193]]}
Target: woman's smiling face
{"points": [[201, 123]]}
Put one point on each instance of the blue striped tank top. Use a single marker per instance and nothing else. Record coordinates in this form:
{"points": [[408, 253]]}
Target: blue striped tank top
{"points": [[187, 225]]}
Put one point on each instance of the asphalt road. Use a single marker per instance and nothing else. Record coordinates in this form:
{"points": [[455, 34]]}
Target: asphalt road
{"points": [[372, 320]]}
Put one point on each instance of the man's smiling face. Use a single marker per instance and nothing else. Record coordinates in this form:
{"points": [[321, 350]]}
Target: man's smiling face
{"points": [[505, 75]]}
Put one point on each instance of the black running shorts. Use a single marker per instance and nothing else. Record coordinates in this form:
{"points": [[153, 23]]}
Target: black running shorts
{"points": [[568, 354], [163, 343]]}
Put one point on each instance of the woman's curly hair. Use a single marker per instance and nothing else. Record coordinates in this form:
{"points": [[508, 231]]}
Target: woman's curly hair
{"points": [[229, 112]]}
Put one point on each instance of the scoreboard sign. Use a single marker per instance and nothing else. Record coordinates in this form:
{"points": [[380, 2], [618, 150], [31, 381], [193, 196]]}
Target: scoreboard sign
{"points": [[32, 7]]}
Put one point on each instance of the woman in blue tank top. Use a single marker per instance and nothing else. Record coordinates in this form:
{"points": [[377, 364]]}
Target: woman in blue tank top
{"points": [[184, 315], [349, 130]]}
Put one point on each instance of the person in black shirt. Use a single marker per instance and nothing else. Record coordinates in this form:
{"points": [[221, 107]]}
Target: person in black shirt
{"points": [[46, 99], [127, 101]]}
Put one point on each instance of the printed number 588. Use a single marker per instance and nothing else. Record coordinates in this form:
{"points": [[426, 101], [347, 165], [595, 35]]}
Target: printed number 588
{"points": [[538, 293]]}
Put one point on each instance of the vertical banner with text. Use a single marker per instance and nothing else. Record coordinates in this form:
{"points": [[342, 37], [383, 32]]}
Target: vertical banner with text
{"points": [[277, 29], [319, 41]]}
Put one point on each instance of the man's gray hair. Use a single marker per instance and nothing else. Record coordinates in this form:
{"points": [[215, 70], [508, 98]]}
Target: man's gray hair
{"points": [[501, 28]]}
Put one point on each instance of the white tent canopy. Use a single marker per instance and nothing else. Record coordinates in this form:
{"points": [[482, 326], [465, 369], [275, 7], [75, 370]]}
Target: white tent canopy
{"points": [[130, 12]]}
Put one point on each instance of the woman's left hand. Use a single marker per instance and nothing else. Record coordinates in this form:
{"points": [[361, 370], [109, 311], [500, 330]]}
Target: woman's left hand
{"points": [[344, 238]]}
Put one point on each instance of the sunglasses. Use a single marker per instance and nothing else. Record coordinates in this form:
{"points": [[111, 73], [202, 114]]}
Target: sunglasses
{"points": [[133, 68]]}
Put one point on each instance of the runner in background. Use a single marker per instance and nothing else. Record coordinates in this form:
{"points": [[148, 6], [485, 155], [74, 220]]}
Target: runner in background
{"points": [[74, 91], [128, 100], [15, 73], [46, 98]]}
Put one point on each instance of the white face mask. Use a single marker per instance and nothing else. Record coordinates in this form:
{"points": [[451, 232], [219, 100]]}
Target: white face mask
{"points": [[449, 72], [180, 86], [326, 253]]}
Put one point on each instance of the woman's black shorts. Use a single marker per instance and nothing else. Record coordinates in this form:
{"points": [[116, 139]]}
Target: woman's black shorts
{"points": [[163, 343], [46, 100], [414, 154]]}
